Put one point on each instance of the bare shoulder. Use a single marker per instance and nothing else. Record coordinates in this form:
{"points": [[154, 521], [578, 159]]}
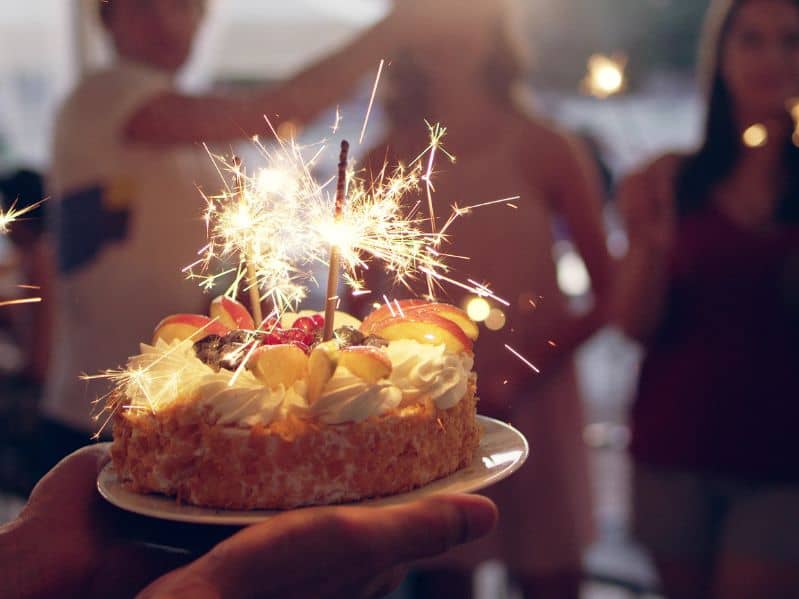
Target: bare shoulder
{"points": [[542, 139], [549, 156]]}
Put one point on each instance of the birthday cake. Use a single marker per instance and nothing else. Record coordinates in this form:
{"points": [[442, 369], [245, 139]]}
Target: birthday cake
{"points": [[218, 412]]}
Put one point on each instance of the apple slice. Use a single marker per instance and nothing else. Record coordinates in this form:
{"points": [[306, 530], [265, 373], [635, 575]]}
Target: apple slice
{"points": [[321, 366], [187, 326], [450, 312], [276, 365], [424, 327], [366, 362], [231, 313], [384, 311]]}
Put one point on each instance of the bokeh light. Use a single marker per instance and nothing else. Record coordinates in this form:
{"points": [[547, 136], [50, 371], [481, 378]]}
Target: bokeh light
{"points": [[478, 309]]}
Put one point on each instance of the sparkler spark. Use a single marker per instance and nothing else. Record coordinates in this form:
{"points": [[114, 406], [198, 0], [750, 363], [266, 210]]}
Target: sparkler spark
{"points": [[267, 230], [523, 359], [8, 217], [24, 300], [371, 101]]}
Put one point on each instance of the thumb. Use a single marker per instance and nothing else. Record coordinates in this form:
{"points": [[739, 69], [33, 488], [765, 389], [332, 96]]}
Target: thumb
{"points": [[73, 481]]}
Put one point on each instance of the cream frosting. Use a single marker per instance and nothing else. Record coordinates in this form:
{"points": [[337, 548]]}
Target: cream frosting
{"points": [[420, 372], [428, 370], [348, 398]]}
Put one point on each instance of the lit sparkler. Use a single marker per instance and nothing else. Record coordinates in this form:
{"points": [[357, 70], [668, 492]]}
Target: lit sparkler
{"points": [[7, 218], [276, 224]]}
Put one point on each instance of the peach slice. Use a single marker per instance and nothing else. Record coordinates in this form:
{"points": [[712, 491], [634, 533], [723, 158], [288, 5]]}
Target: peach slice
{"points": [[450, 312], [187, 326], [276, 365], [321, 366], [368, 363], [424, 327], [231, 313], [384, 311]]}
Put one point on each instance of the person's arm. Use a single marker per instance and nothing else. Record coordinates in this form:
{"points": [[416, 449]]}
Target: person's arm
{"points": [[647, 207], [173, 118], [578, 199], [573, 188]]}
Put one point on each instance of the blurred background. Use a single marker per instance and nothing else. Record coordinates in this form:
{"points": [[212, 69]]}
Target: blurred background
{"points": [[640, 99]]}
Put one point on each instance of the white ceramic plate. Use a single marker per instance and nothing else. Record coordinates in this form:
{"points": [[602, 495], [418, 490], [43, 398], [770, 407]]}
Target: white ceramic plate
{"points": [[502, 451]]}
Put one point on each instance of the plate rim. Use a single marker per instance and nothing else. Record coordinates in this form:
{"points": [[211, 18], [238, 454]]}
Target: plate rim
{"points": [[111, 491]]}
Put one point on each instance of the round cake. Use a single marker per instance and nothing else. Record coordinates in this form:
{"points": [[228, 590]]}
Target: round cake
{"points": [[218, 412]]}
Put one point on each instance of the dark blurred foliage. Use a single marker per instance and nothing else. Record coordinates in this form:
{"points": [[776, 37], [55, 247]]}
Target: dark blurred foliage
{"points": [[655, 35]]}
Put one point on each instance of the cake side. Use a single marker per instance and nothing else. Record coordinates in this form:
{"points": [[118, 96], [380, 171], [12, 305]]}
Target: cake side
{"points": [[292, 461]]}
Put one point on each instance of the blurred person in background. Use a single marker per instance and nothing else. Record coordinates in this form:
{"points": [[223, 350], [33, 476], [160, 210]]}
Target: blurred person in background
{"points": [[710, 286], [126, 166], [465, 74]]}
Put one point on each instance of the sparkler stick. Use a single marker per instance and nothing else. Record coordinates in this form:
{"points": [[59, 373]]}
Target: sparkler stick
{"points": [[335, 257], [252, 277]]}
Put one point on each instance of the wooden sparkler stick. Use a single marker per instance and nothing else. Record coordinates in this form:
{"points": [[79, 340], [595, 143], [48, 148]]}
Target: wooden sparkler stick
{"points": [[252, 273], [331, 300]]}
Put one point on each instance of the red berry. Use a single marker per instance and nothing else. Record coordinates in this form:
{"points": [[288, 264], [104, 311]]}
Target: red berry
{"points": [[272, 339], [304, 323], [271, 324], [292, 334], [319, 321]]}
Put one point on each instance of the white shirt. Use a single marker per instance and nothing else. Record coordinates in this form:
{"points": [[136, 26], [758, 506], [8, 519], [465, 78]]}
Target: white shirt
{"points": [[124, 250]]}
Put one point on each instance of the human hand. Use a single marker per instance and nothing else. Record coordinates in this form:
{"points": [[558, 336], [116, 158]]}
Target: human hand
{"points": [[68, 541], [649, 208], [329, 552]]}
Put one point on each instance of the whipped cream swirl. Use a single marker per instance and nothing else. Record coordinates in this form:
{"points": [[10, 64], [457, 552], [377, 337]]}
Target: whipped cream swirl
{"points": [[421, 370], [165, 373], [171, 371]]}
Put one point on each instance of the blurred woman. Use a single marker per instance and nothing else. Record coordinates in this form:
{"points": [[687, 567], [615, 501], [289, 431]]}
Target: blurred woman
{"points": [[711, 287], [466, 74]]}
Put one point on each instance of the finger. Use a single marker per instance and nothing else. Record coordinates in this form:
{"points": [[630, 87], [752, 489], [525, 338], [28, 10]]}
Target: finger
{"points": [[72, 483], [342, 544]]}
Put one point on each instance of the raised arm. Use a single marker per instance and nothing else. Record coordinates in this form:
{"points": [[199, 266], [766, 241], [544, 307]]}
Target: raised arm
{"points": [[574, 190], [646, 201], [174, 118]]}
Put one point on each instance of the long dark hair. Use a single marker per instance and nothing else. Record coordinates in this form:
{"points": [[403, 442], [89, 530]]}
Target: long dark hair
{"points": [[720, 151]]}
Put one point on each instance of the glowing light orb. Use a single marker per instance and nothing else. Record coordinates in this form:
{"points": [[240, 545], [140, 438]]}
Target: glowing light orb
{"points": [[573, 278], [755, 136], [478, 309], [605, 76], [496, 320]]}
